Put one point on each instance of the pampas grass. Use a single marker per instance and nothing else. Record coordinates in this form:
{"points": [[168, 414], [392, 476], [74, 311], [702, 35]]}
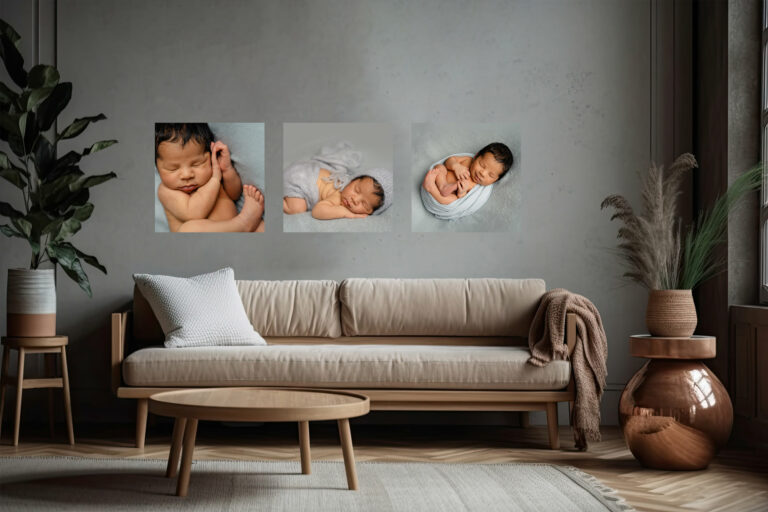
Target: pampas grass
{"points": [[652, 245]]}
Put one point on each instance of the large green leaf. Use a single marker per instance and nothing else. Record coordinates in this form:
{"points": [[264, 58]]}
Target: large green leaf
{"points": [[10, 232], [66, 256], [15, 176], [14, 62], [38, 222], [23, 226], [53, 105], [28, 127], [12, 173], [54, 227], [9, 32], [84, 212], [91, 260], [36, 96], [79, 198], [72, 222], [41, 76], [16, 144], [10, 122], [91, 181], [44, 157], [68, 160], [68, 228], [98, 146], [52, 193], [9, 211], [78, 126]]}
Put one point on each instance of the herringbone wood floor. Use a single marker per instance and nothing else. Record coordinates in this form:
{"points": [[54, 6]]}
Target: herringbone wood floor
{"points": [[736, 481]]}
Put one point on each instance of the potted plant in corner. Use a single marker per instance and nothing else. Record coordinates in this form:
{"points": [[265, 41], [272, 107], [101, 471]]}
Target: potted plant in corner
{"points": [[666, 258], [54, 190]]}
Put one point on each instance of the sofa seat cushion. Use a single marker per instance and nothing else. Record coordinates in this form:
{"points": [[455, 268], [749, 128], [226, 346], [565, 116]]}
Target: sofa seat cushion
{"points": [[345, 366]]}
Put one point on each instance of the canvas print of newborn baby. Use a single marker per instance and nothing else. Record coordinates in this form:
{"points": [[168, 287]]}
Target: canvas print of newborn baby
{"points": [[471, 190], [209, 177], [337, 177]]}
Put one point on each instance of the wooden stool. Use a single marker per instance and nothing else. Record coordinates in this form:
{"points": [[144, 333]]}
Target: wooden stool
{"points": [[34, 345]]}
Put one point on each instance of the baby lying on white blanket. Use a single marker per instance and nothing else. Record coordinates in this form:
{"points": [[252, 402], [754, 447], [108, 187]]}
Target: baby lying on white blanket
{"points": [[326, 186], [450, 188]]}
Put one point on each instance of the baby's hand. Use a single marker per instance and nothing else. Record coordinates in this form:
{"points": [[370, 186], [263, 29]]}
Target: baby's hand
{"points": [[463, 187], [221, 152], [215, 165], [461, 172], [353, 215]]}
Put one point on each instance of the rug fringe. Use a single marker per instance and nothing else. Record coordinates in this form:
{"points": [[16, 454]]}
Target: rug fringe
{"points": [[608, 493]]}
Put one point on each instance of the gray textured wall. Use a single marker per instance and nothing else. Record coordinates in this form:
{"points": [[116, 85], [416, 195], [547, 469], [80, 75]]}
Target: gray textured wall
{"points": [[574, 76]]}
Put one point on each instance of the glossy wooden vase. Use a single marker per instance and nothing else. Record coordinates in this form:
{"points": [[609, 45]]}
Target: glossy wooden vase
{"points": [[675, 414], [671, 313]]}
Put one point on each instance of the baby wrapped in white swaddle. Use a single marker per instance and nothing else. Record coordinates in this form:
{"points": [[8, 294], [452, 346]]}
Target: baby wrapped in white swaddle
{"points": [[461, 183]]}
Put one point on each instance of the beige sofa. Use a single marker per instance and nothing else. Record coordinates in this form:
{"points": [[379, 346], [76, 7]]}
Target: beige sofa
{"points": [[409, 344]]}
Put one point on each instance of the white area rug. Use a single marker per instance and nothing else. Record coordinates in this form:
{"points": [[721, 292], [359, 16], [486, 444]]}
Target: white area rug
{"points": [[70, 483]]}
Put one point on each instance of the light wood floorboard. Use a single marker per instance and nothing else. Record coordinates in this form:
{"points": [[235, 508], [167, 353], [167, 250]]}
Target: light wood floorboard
{"points": [[737, 480]]}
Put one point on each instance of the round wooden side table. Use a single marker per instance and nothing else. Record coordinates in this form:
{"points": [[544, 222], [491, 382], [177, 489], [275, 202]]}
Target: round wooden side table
{"points": [[50, 346], [674, 412]]}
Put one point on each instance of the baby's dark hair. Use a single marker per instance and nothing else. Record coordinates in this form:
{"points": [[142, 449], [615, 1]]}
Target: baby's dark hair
{"points": [[377, 189], [184, 132], [501, 153]]}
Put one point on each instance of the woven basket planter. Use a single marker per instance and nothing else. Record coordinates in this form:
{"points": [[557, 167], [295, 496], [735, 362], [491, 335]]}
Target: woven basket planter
{"points": [[671, 313]]}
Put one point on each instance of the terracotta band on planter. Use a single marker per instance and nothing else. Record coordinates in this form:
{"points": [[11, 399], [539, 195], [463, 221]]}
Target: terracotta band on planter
{"points": [[31, 325]]}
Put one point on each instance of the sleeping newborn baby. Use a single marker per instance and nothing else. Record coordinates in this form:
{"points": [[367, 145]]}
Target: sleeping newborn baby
{"points": [[325, 186], [454, 178]]}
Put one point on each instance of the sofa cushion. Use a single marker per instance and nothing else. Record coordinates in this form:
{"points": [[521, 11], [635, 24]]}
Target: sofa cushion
{"points": [[345, 366], [292, 308], [439, 307], [200, 310]]}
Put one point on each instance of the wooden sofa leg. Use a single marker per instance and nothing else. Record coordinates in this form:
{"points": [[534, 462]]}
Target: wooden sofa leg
{"points": [[142, 411], [554, 439], [525, 419]]}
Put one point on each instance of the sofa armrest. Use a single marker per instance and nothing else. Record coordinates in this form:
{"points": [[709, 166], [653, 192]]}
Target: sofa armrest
{"points": [[119, 329], [570, 333]]}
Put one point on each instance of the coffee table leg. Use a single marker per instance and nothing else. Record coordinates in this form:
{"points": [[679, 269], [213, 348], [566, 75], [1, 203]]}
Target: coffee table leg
{"points": [[306, 458], [190, 431], [173, 456], [349, 454]]}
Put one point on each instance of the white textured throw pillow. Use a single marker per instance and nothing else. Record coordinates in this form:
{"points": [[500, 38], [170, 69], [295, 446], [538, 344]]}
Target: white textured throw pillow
{"points": [[199, 311]]}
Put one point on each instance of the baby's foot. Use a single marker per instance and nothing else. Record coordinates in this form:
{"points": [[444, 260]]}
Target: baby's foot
{"points": [[253, 208]]}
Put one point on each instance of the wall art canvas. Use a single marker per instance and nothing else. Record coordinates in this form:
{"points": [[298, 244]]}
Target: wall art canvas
{"points": [[337, 177], [209, 177], [465, 177]]}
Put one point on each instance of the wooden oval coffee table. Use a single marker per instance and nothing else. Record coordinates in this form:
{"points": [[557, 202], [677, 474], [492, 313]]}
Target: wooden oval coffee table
{"points": [[256, 404]]}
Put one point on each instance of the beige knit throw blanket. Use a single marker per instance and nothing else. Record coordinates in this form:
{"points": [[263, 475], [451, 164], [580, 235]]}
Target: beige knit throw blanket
{"points": [[546, 340]]}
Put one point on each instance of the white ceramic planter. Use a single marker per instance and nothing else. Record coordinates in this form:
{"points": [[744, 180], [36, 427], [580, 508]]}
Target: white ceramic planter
{"points": [[31, 299]]}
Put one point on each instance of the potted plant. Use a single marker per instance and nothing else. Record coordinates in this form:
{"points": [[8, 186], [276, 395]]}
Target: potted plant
{"points": [[662, 255], [54, 190]]}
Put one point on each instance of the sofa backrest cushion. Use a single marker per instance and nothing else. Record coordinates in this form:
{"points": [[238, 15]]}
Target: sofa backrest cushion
{"points": [[275, 308], [439, 307], [292, 308]]}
